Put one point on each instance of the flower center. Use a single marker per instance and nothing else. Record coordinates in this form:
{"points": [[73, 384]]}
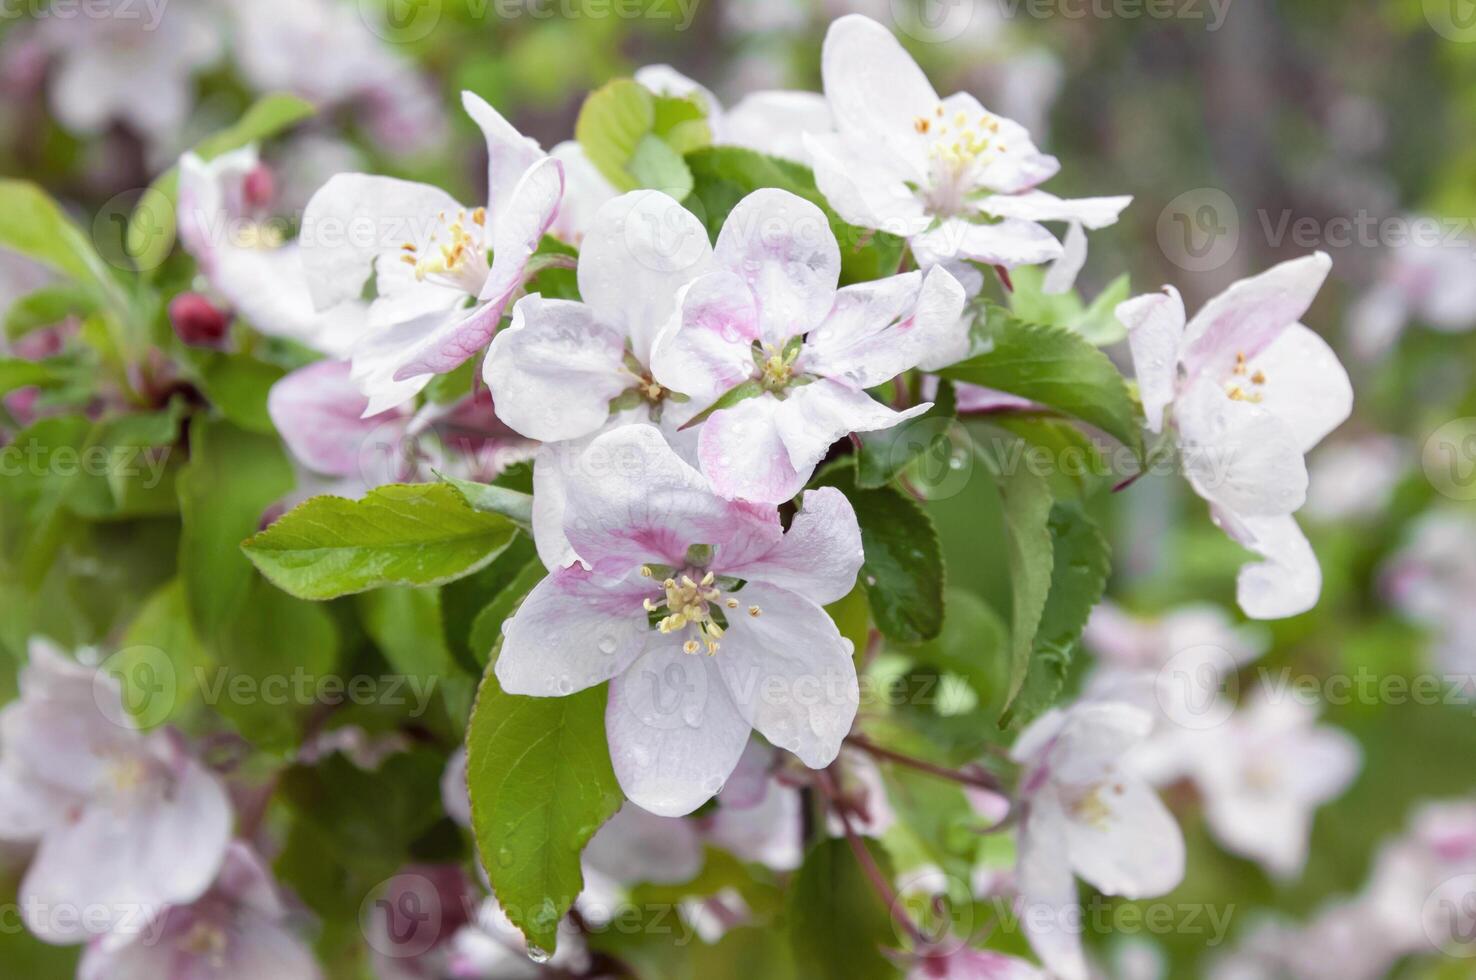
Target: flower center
{"points": [[205, 940], [1091, 809], [1244, 386], [458, 261], [775, 366], [960, 149], [695, 606], [262, 235]]}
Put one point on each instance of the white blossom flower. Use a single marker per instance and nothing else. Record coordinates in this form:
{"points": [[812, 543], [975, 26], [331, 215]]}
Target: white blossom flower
{"points": [[956, 180], [1252, 391]]}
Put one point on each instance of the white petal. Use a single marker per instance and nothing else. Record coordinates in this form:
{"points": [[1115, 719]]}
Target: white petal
{"points": [[743, 455], [1009, 243], [790, 673], [866, 185], [816, 415], [877, 330], [1289, 581], [776, 123], [1238, 455], [353, 220], [1155, 326], [1248, 316], [1306, 386], [818, 557], [1061, 276], [554, 370], [642, 249], [782, 246], [1135, 850], [517, 232], [1090, 212], [585, 191], [876, 90], [674, 733], [551, 468], [319, 413], [574, 631], [707, 348], [509, 153], [1051, 914], [636, 845]]}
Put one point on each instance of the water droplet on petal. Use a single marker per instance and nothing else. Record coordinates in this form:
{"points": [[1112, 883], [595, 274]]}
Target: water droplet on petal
{"points": [[564, 685], [537, 953], [607, 644]]}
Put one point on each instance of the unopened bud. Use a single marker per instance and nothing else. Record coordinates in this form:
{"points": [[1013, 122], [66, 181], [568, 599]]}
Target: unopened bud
{"points": [[197, 321], [260, 187]]}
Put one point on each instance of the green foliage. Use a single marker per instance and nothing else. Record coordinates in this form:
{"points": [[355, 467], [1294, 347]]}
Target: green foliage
{"points": [[903, 568], [541, 784], [838, 925], [1052, 366], [636, 138], [884, 455], [401, 534]]}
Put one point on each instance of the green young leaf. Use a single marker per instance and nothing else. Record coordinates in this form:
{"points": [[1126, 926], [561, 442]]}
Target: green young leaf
{"points": [[400, 534], [541, 784], [32, 224], [16, 373], [1054, 367], [464, 599], [1096, 322], [885, 454], [232, 478], [724, 175], [738, 393], [486, 629], [162, 661], [636, 138], [492, 499], [1080, 563], [151, 228], [237, 385], [45, 307], [1027, 509], [838, 925], [903, 568]]}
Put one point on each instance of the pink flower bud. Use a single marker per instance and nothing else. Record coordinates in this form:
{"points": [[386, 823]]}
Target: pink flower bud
{"points": [[260, 187], [197, 321]]}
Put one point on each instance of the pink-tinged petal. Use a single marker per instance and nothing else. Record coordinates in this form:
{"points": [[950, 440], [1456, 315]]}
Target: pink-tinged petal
{"points": [[575, 630], [636, 846], [450, 344], [1050, 913], [551, 468], [137, 852], [776, 123], [1131, 847], [510, 154], [782, 246], [818, 557], [518, 230], [1305, 387], [1289, 580], [1009, 243], [268, 288], [1247, 317], [1237, 455], [1155, 326], [209, 200], [707, 349], [790, 673], [632, 500], [255, 948], [319, 412], [585, 191], [876, 90], [866, 185], [766, 832], [978, 399], [554, 370], [642, 249], [674, 733], [974, 964], [743, 455], [1090, 212], [356, 220], [378, 357], [877, 330], [816, 415]]}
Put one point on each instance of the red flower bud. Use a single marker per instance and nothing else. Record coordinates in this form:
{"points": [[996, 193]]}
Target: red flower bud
{"points": [[197, 321]]}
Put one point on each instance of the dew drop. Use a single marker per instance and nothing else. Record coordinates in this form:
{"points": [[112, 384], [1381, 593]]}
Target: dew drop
{"points": [[692, 715], [871, 580], [564, 684], [607, 644], [537, 953], [504, 857]]}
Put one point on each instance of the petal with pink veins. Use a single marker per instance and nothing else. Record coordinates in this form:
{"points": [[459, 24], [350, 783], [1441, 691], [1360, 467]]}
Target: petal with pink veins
{"points": [[1155, 326], [319, 412], [818, 557], [816, 415], [1247, 317], [707, 348], [877, 330], [782, 246]]}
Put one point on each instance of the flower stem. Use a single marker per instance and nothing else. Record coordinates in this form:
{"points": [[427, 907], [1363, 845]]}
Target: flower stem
{"points": [[980, 778]]}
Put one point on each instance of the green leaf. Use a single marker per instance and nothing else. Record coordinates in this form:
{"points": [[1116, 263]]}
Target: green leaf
{"points": [[492, 499], [400, 534], [1097, 323], [232, 478], [838, 925], [16, 373], [405, 623], [738, 393], [1054, 367], [885, 454], [903, 568], [726, 174], [45, 307], [1027, 509], [464, 599], [541, 784], [237, 385], [1080, 563], [32, 224], [162, 661], [636, 138], [487, 627], [151, 228]]}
